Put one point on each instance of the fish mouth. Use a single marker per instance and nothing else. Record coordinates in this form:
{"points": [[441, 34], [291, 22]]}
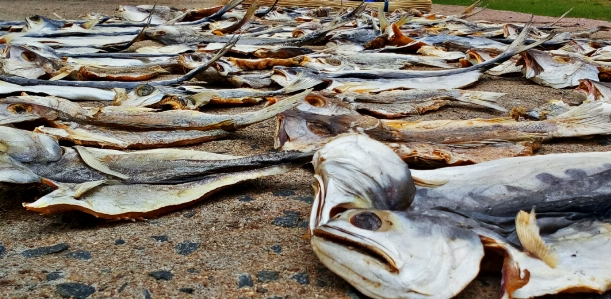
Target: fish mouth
{"points": [[360, 245]]}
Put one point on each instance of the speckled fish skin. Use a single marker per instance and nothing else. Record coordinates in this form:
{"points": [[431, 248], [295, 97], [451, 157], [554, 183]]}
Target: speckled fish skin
{"points": [[141, 200], [349, 175], [26, 146], [158, 166]]}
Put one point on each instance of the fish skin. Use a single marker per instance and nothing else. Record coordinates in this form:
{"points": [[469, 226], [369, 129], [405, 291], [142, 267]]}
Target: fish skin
{"points": [[140, 200], [142, 118], [342, 185], [159, 166], [115, 138], [12, 172], [550, 70], [26, 146], [445, 261]]}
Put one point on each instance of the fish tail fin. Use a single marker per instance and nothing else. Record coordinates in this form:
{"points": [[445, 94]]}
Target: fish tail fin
{"points": [[267, 112], [528, 234], [301, 83], [482, 98], [586, 119], [516, 47]]}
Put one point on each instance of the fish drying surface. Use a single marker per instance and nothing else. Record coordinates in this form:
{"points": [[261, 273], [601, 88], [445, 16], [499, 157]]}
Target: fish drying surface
{"points": [[229, 151]]}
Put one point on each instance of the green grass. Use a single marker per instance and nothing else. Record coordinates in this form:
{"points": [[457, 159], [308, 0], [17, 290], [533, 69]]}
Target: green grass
{"points": [[591, 9]]}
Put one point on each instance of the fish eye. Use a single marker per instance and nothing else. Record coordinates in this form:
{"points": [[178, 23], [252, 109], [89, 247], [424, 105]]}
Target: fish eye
{"points": [[366, 220], [19, 108], [35, 18], [29, 56], [315, 101], [144, 90], [318, 129], [160, 32]]}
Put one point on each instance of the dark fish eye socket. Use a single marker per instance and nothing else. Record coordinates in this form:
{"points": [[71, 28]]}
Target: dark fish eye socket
{"points": [[144, 90], [366, 220], [35, 18], [315, 101], [28, 56], [19, 108]]}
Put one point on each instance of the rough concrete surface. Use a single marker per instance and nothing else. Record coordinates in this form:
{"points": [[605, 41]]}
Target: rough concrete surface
{"points": [[245, 242]]}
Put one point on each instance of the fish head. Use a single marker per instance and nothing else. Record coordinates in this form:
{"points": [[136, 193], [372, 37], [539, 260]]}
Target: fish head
{"points": [[318, 103], [193, 60], [143, 96], [531, 66], [24, 58], [356, 171], [38, 23], [17, 112], [389, 254], [171, 35], [593, 90]]}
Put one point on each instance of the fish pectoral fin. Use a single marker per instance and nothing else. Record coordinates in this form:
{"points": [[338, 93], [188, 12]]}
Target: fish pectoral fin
{"points": [[528, 234], [428, 183], [96, 164], [80, 189]]}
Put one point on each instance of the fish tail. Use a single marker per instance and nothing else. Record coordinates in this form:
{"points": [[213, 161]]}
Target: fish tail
{"points": [[528, 234], [586, 119], [301, 83], [247, 119], [482, 98], [516, 47]]}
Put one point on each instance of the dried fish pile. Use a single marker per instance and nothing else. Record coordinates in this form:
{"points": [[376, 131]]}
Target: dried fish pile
{"points": [[98, 116]]}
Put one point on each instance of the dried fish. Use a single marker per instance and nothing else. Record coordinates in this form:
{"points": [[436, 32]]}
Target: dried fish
{"points": [[140, 200]]}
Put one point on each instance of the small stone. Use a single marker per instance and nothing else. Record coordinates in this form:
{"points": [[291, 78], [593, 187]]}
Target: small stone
{"points": [[40, 251], [276, 248], [244, 280], [161, 275], [160, 238], [2, 250], [303, 224], [283, 192], [302, 278], [290, 219], [261, 290], [147, 294], [192, 270], [307, 199], [119, 242], [604, 140], [267, 276], [123, 286], [152, 221], [74, 290], [354, 293], [54, 276], [274, 297], [245, 198], [83, 255], [189, 214], [187, 290], [186, 247]]}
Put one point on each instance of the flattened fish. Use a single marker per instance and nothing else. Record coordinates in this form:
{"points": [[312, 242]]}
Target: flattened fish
{"points": [[140, 200], [26, 146], [116, 138]]}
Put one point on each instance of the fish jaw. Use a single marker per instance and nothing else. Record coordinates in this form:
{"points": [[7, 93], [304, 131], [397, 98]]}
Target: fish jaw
{"points": [[384, 263]]}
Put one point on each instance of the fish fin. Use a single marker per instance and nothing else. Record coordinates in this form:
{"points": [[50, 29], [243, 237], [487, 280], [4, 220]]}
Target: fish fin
{"points": [[91, 23], [271, 111], [482, 98], [528, 234], [80, 189], [383, 20], [96, 164], [64, 72], [518, 44], [428, 183], [561, 17], [586, 119], [403, 20], [301, 83], [120, 96]]}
